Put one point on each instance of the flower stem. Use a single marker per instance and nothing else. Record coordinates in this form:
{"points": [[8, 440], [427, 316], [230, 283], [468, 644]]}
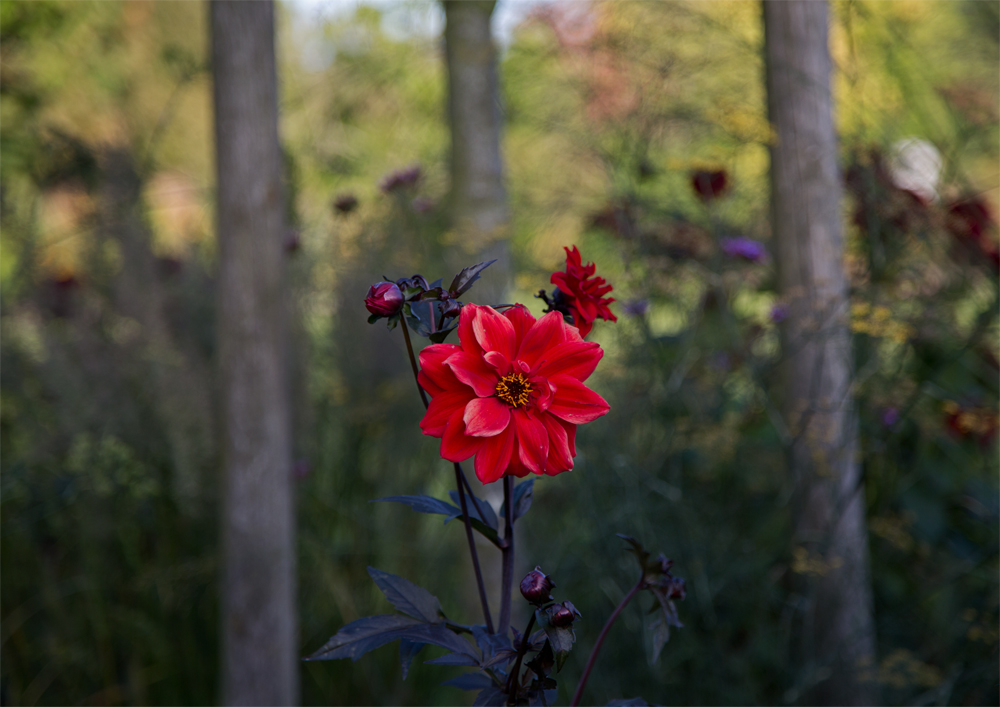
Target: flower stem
{"points": [[413, 359], [513, 677], [508, 555], [600, 640], [459, 479], [472, 548]]}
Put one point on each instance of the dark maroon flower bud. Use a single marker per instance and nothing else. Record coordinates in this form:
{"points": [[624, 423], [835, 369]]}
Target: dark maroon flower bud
{"points": [[293, 241], [451, 308], [678, 589], [536, 586], [709, 185], [384, 299], [345, 203], [563, 615]]}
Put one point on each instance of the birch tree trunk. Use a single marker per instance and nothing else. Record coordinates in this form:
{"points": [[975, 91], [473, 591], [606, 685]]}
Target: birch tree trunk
{"points": [[478, 197], [831, 540], [260, 664]]}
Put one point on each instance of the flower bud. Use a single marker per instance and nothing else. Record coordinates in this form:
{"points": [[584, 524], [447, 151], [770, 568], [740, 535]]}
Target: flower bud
{"points": [[563, 615], [536, 586], [384, 299]]}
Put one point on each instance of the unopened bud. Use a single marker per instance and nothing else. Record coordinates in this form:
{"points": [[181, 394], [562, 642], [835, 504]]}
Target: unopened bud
{"points": [[536, 586], [563, 615], [384, 299]]}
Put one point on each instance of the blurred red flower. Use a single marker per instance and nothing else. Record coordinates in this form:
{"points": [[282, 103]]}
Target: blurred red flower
{"points": [[512, 393], [583, 292], [709, 185]]}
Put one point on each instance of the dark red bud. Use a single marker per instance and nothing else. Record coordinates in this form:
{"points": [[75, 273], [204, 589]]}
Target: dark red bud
{"points": [[678, 590], [563, 615], [384, 299], [536, 586]]}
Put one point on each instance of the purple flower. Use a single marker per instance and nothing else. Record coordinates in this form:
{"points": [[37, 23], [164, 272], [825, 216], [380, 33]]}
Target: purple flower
{"points": [[890, 416], [745, 248], [345, 203], [636, 307], [400, 179], [779, 313]]}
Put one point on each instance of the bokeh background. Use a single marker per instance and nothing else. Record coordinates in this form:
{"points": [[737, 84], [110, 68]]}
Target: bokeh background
{"points": [[108, 425]]}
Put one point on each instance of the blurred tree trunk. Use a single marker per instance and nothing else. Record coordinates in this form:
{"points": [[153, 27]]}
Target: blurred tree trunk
{"points": [[260, 664], [829, 505], [478, 197]]}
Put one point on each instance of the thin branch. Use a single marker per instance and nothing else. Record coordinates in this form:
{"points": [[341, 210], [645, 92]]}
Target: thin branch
{"points": [[508, 555], [600, 640]]}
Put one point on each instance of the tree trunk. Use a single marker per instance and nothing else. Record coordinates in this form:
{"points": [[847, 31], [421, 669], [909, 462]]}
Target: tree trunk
{"points": [[831, 540], [478, 197], [260, 664]]}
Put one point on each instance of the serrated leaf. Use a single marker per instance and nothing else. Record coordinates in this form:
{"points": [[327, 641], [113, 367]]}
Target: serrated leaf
{"points": [[407, 652], [490, 697], [425, 504], [470, 681], [465, 279], [364, 635], [523, 495], [407, 597], [488, 516], [358, 637], [453, 659]]}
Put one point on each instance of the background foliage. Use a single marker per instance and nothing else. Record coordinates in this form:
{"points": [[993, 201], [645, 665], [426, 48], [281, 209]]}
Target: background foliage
{"points": [[108, 494]]}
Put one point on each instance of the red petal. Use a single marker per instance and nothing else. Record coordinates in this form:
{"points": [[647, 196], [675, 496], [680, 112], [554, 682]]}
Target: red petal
{"points": [[442, 407], [456, 446], [436, 374], [494, 456], [583, 327], [574, 402], [522, 320], [560, 457], [570, 436], [516, 468], [577, 359], [547, 332], [587, 309], [474, 372], [486, 417], [494, 332], [532, 440], [466, 336]]}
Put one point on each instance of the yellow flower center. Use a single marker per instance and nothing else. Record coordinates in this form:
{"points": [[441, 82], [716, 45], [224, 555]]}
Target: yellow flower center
{"points": [[514, 390]]}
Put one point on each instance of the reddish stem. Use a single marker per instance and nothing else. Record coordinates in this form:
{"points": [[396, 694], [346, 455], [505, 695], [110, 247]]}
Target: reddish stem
{"points": [[600, 641]]}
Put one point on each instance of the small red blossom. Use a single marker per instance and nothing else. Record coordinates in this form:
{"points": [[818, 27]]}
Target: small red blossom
{"points": [[583, 292], [512, 393], [384, 299]]}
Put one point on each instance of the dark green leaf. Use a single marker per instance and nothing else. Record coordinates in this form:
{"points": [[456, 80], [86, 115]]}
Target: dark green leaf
{"points": [[408, 597], [561, 639], [488, 516], [374, 318], [633, 702], [470, 681], [659, 628], [439, 337], [638, 550], [453, 659], [358, 637], [407, 652], [490, 697], [425, 504], [523, 494], [464, 280]]}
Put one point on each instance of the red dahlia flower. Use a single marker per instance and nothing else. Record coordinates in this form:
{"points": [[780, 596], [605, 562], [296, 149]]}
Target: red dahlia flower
{"points": [[583, 293], [512, 393]]}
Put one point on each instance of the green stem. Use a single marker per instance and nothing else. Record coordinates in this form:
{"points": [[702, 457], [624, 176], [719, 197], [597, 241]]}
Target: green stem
{"points": [[512, 679]]}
